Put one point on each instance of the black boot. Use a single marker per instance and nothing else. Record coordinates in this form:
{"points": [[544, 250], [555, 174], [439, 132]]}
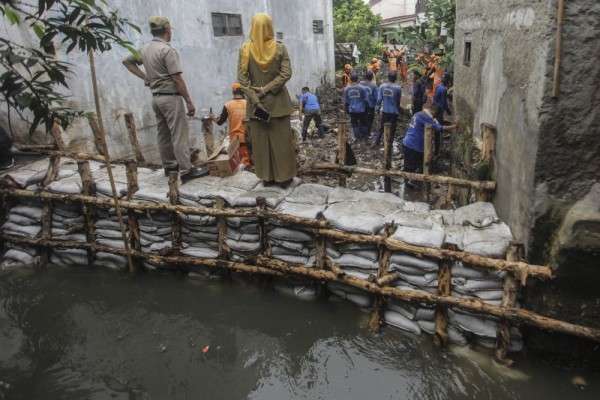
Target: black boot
{"points": [[193, 173]]}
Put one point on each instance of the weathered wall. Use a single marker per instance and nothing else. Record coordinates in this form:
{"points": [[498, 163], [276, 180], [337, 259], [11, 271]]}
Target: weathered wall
{"points": [[504, 86], [210, 63]]}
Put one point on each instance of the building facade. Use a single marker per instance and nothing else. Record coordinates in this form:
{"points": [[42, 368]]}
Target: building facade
{"points": [[208, 35], [396, 14]]}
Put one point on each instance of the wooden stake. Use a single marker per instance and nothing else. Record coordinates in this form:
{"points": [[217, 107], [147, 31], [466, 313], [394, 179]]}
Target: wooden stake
{"points": [[209, 137], [222, 224], [96, 91], [560, 16], [342, 142], [53, 170], [133, 137], [509, 300], [57, 135], [261, 207], [384, 265], [428, 158], [441, 312], [387, 155], [88, 189], [176, 236], [46, 232], [100, 140], [134, 226]]}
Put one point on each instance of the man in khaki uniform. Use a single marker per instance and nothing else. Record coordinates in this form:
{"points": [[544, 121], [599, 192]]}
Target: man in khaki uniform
{"points": [[163, 73]]}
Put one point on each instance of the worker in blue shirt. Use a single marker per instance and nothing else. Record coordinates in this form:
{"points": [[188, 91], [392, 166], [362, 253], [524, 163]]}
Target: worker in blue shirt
{"points": [[355, 103], [373, 91], [311, 109], [441, 106], [419, 94], [388, 101], [414, 140]]}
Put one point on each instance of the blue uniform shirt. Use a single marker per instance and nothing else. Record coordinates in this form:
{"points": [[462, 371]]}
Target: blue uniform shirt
{"points": [[373, 92], [355, 99], [415, 135], [310, 102], [390, 94], [440, 98]]}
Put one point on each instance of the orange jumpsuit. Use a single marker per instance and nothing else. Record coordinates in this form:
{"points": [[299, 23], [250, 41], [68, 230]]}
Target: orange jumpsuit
{"points": [[235, 112]]}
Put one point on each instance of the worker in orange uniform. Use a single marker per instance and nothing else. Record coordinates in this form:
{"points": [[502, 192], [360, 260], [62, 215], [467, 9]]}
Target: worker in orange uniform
{"points": [[234, 112], [346, 76]]}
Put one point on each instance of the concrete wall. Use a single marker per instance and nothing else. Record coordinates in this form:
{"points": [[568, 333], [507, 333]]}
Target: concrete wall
{"points": [[505, 86], [210, 63]]}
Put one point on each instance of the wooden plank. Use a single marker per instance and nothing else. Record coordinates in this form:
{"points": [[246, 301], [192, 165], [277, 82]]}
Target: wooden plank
{"points": [[341, 145], [427, 158], [88, 188], [176, 235], [387, 155], [133, 137], [135, 237]]}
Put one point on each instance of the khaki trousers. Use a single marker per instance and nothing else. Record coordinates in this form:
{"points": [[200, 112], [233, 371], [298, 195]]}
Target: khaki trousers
{"points": [[173, 132]]}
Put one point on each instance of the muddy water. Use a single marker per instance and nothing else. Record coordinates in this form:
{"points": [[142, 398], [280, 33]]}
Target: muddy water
{"points": [[99, 335]]}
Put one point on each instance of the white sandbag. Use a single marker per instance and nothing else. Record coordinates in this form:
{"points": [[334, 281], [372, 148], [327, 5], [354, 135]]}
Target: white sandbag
{"points": [[351, 260], [200, 252], [473, 285], [474, 214], [492, 241], [474, 324], [427, 326], [290, 235], [421, 237], [397, 320], [245, 247], [33, 213]]}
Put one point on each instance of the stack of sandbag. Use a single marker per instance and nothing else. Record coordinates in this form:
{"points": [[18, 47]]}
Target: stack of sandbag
{"points": [[25, 176], [22, 220], [292, 243], [201, 233], [476, 229], [361, 213]]}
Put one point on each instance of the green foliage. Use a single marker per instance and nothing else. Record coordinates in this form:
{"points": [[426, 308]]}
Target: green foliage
{"points": [[439, 13], [32, 78], [354, 22]]}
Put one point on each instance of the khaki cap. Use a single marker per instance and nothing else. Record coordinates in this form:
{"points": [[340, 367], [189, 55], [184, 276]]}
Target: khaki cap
{"points": [[159, 23]]}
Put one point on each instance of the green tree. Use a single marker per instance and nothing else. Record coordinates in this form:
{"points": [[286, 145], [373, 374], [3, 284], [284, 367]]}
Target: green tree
{"points": [[32, 79], [354, 22]]}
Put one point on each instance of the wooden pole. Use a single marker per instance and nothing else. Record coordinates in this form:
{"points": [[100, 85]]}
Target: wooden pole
{"points": [[276, 267], [488, 155], [57, 135], [133, 137], [222, 225], [261, 207], [321, 247], [96, 90], [176, 237], [88, 189], [427, 158], [509, 299], [520, 269], [384, 265], [100, 139], [321, 168], [560, 16], [209, 137], [387, 155], [132, 219], [342, 143], [83, 156], [441, 312], [46, 232]]}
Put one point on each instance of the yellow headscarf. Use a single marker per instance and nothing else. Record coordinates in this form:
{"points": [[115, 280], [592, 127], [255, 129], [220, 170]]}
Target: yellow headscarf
{"points": [[262, 45]]}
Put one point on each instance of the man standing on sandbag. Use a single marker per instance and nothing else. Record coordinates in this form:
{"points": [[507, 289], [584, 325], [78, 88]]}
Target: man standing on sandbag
{"points": [[163, 73]]}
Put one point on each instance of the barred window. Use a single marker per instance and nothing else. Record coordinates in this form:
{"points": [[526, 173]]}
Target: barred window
{"points": [[227, 24], [318, 27]]}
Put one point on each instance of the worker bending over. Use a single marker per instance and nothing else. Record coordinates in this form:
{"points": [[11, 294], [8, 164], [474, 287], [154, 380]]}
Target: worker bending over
{"points": [[234, 113], [388, 101], [311, 109], [355, 103], [414, 140]]}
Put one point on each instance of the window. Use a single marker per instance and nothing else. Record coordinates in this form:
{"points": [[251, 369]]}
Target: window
{"points": [[279, 35], [318, 27], [227, 24], [467, 54]]}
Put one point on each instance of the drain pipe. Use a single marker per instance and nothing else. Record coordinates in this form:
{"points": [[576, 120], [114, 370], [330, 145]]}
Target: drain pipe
{"points": [[558, 50]]}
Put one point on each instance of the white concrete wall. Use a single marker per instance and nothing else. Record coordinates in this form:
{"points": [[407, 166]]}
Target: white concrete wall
{"points": [[210, 63], [394, 8]]}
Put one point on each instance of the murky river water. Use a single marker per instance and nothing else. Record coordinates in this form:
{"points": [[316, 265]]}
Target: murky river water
{"points": [[98, 335]]}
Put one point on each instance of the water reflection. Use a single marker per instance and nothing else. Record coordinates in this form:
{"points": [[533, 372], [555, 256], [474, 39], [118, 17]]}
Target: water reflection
{"points": [[95, 335]]}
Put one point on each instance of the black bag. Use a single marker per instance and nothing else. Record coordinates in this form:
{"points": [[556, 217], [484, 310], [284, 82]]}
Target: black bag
{"points": [[350, 157]]}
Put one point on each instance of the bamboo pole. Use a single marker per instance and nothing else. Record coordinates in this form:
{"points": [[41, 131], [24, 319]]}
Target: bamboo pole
{"points": [[100, 139], [384, 265], [441, 312], [222, 226], [279, 268], [83, 156], [46, 233], [560, 16], [319, 227], [321, 168], [176, 237], [387, 155], [427, 158], [135, 236], [509, 299], [261, 207], [133, 137], [488, 155], [88, 189], [209, 137], [341, 144], [321, 247], [96, 91], [57, 135]]}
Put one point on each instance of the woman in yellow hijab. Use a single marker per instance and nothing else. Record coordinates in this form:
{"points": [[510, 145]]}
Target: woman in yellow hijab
{"points": [[264, 69]]}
